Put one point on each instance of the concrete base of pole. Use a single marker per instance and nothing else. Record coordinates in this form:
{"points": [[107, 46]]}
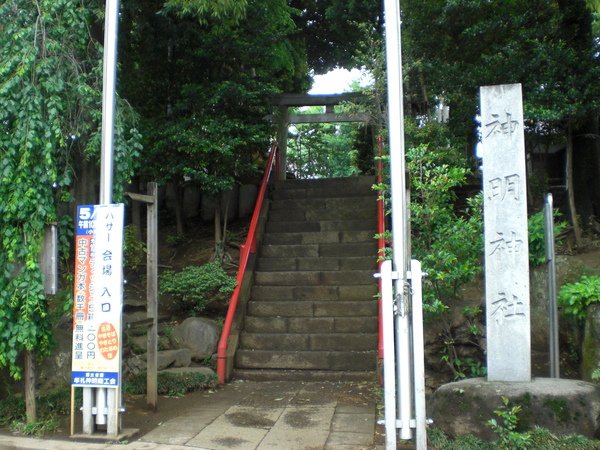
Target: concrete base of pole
{"points": [[125, 434]]}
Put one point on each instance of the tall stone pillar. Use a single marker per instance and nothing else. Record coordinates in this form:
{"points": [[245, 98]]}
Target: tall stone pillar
{"points": [[505, 221]]}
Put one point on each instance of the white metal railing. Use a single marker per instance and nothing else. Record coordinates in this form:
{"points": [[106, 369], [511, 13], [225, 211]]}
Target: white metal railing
{"points": [[401, 412]]}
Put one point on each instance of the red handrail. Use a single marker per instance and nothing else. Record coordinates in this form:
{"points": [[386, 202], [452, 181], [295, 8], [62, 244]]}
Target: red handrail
{"points": [[245, 251], [381, 239]]}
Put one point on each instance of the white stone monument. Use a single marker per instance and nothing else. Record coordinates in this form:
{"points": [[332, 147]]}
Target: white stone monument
{"points": [[505, 221]]}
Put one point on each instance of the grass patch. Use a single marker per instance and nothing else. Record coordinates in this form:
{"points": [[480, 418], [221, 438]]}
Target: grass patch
{"points": [[539, 439], [50, 406], [171, 384]]}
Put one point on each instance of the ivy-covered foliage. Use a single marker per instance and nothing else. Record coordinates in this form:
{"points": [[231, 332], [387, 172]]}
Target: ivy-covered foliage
{"points": [[50, 110]]}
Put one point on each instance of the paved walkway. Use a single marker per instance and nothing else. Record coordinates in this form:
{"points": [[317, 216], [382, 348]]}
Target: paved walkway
{"points": [[254, 416]]}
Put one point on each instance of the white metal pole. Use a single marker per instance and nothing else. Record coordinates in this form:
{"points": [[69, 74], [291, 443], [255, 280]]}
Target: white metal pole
{"points": [[398, 199], [389, 355], [418, 345], [109, 83]]}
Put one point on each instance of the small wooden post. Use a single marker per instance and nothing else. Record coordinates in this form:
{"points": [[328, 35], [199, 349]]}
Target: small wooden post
{"points": [[282, 138], [72, 428], [152, 297], [151, 201]]}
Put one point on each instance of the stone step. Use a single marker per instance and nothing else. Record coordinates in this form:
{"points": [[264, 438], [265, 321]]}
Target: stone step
{"points": [[364, 292], [332, 203], [367, 263], [323, 214], [326, 187], [341, 250], [306, 342], [318, 237], [312, 309], [364, 324], [312, 360], [313, 278], [322, 225], [304, 375]]}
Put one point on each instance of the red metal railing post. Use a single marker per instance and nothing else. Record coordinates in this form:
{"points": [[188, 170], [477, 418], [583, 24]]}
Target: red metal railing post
{"points": [[245, 251]]}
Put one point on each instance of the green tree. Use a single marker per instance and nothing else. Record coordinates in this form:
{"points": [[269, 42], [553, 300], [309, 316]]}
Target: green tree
{"points": [[50, 103], [203, 88], [209, 9], [331, 30], [454, 47]]}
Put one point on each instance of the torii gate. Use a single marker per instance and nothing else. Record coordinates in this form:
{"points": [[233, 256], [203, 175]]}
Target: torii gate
{"points": [[286, 101]]}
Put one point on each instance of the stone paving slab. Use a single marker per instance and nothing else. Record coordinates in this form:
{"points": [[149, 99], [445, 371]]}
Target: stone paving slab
{"points": [[300, 427], [240, 428], [248, 415]]}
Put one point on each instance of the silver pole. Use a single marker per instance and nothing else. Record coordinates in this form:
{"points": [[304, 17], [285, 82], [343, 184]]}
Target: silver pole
{"points": [[389, 354], [418, 347], [399, 217], [109, 82], [552, 304]]}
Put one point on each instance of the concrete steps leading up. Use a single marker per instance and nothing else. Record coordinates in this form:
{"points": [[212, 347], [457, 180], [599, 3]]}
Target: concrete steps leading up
{"points": [[313, 310]]}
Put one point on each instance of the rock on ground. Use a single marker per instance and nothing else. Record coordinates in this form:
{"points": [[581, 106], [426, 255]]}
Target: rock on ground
{"points": [[559, 405], [198, 334]]}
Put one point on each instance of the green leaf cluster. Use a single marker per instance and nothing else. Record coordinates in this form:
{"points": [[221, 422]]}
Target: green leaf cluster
{"points": [[576, 297], [537, 236], [508, 436], [196, 286], [134, 250], [446, 236], [205, 10]]}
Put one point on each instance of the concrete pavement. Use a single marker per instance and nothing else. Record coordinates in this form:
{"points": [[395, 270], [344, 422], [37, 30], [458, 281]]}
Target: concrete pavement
{"points": [[252, 415]]}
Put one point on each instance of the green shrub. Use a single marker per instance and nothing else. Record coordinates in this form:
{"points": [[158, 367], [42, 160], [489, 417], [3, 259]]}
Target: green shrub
{"points": [[196, 286], [508, 436], [171, 384], [134, 250], [537, 237], [576, 297]]}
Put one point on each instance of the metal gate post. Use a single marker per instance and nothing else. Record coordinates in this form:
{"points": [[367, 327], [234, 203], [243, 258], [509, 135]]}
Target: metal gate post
{"points": [[389, 354], [418, 345]]}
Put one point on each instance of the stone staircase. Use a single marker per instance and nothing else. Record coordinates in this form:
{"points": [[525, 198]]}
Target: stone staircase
{"points": [[312, 313]]}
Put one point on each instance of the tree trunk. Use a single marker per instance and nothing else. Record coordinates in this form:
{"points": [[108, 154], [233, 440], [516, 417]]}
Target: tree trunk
{"points": [[218, 233], [179, 209], [136, 209], [226, 216], [569, 183], [596, 197], [30, 406]]}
